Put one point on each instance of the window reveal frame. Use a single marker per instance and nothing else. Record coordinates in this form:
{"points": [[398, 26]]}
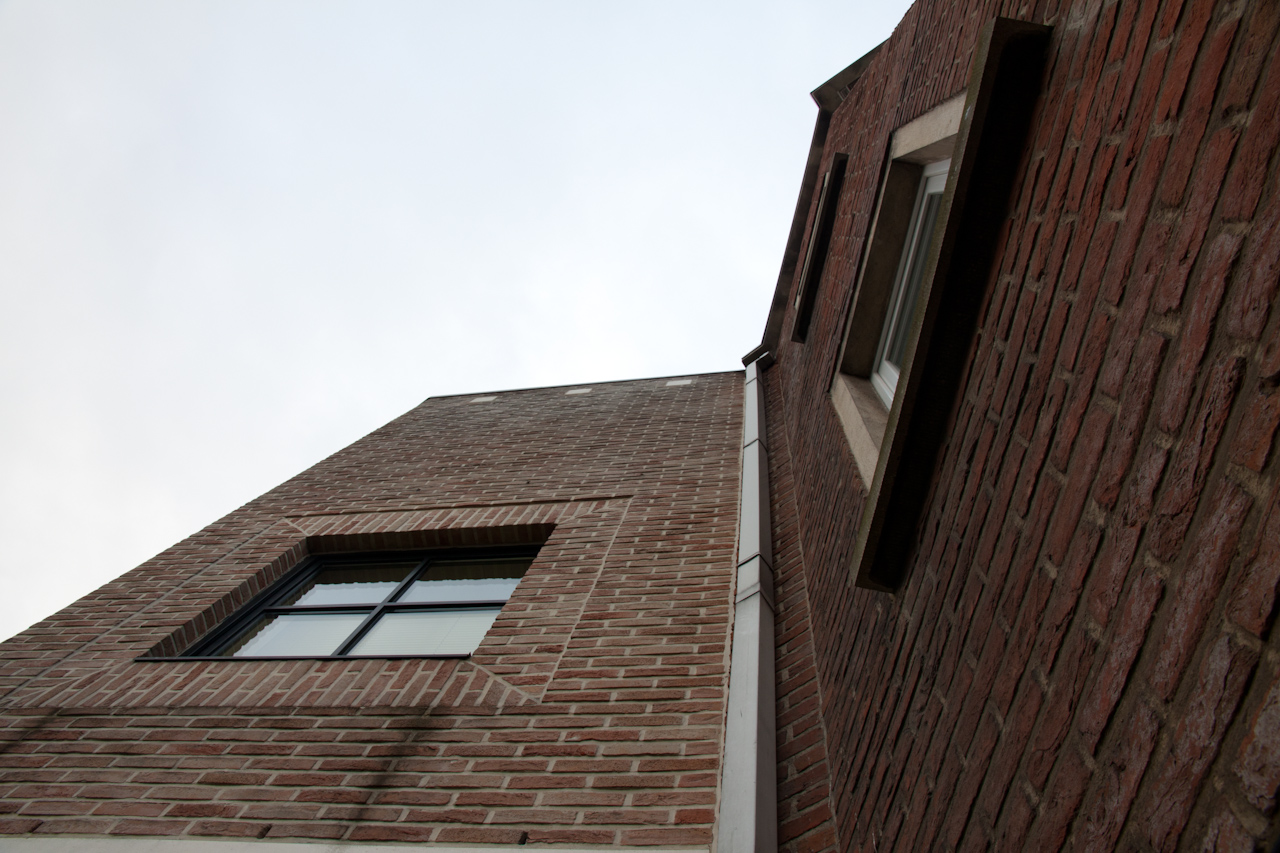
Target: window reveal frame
{"points": [[209, 647], [885, 374], [1004, 86], [861, 407], [815, 260]]}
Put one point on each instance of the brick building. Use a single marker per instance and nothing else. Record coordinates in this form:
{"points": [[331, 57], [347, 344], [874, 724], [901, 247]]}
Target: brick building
{"points": [[981, 552], [591, 712], [1028, 601]]}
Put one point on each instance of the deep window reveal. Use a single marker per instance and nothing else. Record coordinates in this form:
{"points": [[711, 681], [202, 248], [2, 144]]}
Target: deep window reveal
{"points": [[896, 437], [892, 350], [424, 604]]}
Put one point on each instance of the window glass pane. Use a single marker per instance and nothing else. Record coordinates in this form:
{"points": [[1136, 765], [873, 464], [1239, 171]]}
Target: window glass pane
{"points": [[290, 634], [467, 580], [427, 632], [896, 346], [352, 584]]}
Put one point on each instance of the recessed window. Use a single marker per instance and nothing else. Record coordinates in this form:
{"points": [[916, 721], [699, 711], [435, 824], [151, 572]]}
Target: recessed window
{"points": [[893, 279], [815, 260], [945, 191], [907, 283], [438, 604]]}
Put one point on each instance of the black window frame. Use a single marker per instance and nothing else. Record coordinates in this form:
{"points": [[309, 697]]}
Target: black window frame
{"points": [[211, 646]]}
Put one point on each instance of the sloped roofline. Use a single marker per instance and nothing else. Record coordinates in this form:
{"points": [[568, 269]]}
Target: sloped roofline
{"points": [[828, 97]]}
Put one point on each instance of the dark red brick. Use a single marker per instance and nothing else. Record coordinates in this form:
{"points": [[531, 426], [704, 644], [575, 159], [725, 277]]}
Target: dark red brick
{"points": [[1227, 835], [1223, 674], [1248, 176], [1258, 764], [1252, 602], [1126, 641], [1108, 804], [1177, 505], [1197, 589]]}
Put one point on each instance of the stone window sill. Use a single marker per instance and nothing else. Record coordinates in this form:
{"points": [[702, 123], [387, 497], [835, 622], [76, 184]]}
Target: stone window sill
{"points": [[864, 419]]}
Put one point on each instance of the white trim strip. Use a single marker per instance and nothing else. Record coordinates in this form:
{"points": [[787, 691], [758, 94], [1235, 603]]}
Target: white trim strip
{"points": [[749, 808]]}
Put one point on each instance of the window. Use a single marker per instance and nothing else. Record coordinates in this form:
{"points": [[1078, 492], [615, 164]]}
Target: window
{"points": [[947, 187], [906, 287], [893, 278], [819, 244], [434, 604]]}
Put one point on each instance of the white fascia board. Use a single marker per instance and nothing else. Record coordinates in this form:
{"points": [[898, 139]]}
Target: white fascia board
{"points": [[754, 528], [749, 811], [754, 524], [753, 409], [755, 577]]}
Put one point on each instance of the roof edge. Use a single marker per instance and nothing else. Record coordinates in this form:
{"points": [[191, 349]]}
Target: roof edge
{"points": [[828, 96], [832, 93]]}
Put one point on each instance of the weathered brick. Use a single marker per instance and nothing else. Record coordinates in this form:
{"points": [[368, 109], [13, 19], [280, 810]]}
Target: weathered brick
{"points": [[1126, 641], [1248, 176], [1177, 505], [1227, 835], [1251, 446], [229, 828], [1107, 806], [1060, 804], [1252, 602], [392, 833], [1258, 764], [1249, 306], [1223, 674], [1197, 589], [149, 827], [306, 830]]}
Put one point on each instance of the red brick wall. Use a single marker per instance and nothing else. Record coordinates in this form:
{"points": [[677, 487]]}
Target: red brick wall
{"points": [[592, 712], [805, 821], [1082, 652]]}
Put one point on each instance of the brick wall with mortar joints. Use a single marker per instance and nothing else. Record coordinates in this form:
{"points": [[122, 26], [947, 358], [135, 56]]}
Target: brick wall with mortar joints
{"points": [[529, 637], [805, 821], [1082, 652], [607, 734]]}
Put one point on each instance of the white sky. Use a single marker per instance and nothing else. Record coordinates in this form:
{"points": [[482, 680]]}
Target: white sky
{"points": [[237, 236]]}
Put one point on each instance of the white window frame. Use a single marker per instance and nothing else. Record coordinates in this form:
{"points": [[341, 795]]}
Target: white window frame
{"points": [[933, 182]]}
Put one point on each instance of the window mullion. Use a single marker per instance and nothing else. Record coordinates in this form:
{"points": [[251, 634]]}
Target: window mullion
{"points": [[355, 636], [412, 576]]}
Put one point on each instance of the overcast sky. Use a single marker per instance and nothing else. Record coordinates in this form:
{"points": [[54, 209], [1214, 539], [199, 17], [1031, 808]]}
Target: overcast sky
{"points": [[237, 236]]}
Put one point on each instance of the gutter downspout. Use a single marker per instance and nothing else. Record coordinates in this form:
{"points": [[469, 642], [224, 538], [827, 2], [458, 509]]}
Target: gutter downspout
{"points": [[749, 809]]}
